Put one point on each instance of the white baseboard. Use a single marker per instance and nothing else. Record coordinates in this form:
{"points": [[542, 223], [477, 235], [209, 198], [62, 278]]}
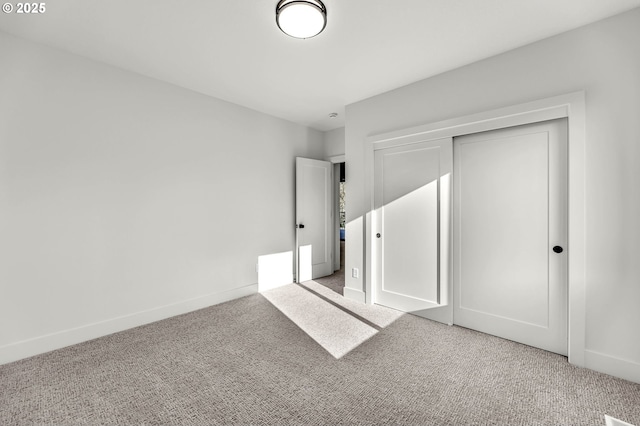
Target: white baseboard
{"points": [[41, 344], [357, 295], [613, 366]]}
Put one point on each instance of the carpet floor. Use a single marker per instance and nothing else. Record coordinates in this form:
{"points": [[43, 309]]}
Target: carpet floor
{"points": [[245, 362]]}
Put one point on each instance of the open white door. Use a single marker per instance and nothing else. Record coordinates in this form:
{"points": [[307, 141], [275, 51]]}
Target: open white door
{"points": [[314, 219], [412, 228]]}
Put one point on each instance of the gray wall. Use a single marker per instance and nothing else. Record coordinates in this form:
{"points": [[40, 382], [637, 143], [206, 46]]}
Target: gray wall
{"points": [[125, 200], [334, 142], [604, 60]]}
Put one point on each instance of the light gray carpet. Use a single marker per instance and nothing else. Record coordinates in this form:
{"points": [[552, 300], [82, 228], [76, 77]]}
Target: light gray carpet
{"points": [[320, 320], [245, 362]]}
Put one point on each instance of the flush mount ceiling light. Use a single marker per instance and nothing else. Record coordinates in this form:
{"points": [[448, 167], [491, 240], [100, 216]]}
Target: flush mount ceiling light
{"points": [[301, 18]]}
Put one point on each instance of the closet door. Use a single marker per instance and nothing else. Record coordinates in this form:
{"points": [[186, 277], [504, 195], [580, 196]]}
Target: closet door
{"points": [[510, 234], [411, 241]]}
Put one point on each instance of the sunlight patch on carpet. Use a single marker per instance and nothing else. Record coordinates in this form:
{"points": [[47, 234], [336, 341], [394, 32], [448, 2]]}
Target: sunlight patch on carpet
{"points": [[376, 314], [332, 328], [612, 421]]}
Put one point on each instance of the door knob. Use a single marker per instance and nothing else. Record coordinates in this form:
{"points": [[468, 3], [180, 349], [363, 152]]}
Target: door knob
{"points": [[378, 235], [300, 226], [557, 249]]}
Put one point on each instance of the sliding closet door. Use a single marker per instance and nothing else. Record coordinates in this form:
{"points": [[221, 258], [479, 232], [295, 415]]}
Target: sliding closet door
{"points": [[510, 234], [411, 241]]}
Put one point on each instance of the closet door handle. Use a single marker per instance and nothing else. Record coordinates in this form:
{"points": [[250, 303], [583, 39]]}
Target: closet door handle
{"points": [[557, 249]]}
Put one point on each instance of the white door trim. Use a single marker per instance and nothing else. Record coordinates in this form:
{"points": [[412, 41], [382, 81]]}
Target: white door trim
{"points": [[570, 106], [336, 160]]}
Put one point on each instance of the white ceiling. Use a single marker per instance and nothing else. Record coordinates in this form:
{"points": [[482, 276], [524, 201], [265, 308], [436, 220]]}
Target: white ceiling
{"points": [[233, 50]]}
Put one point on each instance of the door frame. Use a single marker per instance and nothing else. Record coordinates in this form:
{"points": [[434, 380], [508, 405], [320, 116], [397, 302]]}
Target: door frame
{"points": [[336, 160], [570, 106]]}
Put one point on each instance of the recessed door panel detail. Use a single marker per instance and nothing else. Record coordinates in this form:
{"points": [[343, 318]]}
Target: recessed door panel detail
{"points": [[504, 227], [410, 221]]}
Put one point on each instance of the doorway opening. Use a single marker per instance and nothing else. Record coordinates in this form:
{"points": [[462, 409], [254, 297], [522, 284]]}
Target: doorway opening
{"points": [[335, 281]]}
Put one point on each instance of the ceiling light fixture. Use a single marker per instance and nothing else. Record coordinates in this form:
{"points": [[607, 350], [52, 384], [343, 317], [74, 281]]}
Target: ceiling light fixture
{"points": [[301, 18]]}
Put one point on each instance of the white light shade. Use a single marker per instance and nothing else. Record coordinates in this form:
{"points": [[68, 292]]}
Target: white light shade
{"points": [[301, 19]]}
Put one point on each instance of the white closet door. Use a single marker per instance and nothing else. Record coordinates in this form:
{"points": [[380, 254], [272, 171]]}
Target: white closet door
{"points": [[411, 241], [510, 224]]}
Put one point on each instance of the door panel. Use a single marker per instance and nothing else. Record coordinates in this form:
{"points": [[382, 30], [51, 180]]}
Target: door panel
{"points": [[510, 210], [411, 196], [314, 218]]}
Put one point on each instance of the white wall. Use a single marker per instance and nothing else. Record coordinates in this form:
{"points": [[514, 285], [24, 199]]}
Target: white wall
{"points": [[125, 200], [604, 60], [334, 142]]}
